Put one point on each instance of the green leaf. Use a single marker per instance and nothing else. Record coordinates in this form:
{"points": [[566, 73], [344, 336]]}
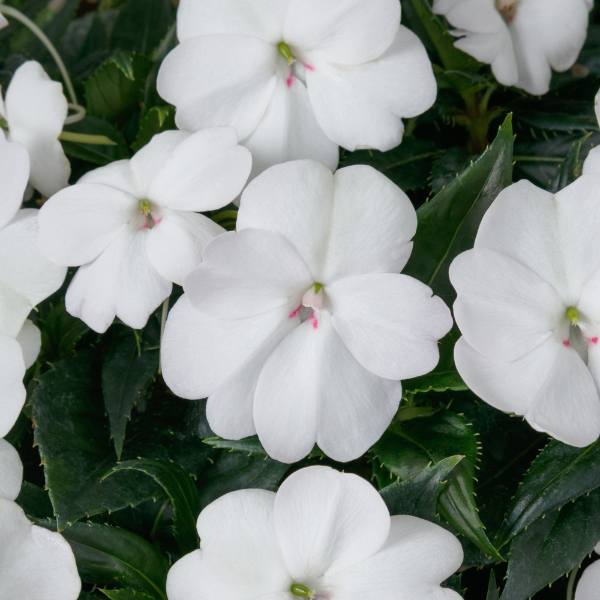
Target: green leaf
{"points": [[492, 593], [157, 120], [127, 373], [569, 170], [108, 555], [126, 595], [117, 87], [408, 448], [446, 168], [95, 153], [35, 501], [448, 223], [181, 489], [407, 165], [557, 476], [60, 332], [419, 496], [552, 546], [557, 114], [250, 445], [141, 25]]}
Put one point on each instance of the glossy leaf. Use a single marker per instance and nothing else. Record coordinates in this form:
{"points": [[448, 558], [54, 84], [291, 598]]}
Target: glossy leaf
{"points": [[157, 120]]}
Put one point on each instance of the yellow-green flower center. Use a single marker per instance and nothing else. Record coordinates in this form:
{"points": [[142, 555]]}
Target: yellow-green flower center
{"points": [[301, 590], [146, 211], [286, 52], [573, 315]]}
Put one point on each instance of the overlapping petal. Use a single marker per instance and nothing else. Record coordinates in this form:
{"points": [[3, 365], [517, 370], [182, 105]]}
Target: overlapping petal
{"points": [[12, 390], [11, 471], [30, 340], [14, 175], [587, 588]]}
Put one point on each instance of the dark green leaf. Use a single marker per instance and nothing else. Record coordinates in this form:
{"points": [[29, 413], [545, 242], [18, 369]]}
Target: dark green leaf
{"points": [[448, 223], [127, 373], [558, 475], [419, 496], [126, 595], [108, 555], [60, 333], [157, 120], [250, 445], [569, 170], [492, 593], [35, 501], [181, 489], [446, 168], [552, 546], [557, 114], [141, 25]]}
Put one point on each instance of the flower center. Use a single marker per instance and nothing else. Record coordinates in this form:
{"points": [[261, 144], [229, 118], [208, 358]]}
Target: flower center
{"points": [[147, 212], [573, 315], [301, 590], [286, 52], [507, 8]]}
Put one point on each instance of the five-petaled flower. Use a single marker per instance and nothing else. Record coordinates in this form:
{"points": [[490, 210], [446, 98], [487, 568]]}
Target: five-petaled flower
{"points": [[324, 535], [528, 307], [297, 78], [522, 40], [132, 225], [299, 326]]}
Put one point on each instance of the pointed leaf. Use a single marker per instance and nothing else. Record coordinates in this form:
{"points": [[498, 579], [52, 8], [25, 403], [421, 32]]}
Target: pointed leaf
{"points": [[569, 170], [157, 120], [126, 595], [492, 593]]}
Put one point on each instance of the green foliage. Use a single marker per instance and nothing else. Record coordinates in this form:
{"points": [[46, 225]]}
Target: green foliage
{"points": [[157, 120]]}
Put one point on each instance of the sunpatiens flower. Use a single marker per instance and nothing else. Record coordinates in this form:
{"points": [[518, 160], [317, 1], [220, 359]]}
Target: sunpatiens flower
{"points": [[528, 307], [589, 584], [297, 78], [26, 278], [34, 113], [35, 564], [132, 227], [324, 535], [299, 325], [523, 40]]}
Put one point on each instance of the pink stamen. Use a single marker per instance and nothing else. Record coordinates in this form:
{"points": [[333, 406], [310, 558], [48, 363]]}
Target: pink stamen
{"points": [[315, 321], [295, 313], [566, 343], [593, 340], [145, 225], [290, 79], [309, 67]]}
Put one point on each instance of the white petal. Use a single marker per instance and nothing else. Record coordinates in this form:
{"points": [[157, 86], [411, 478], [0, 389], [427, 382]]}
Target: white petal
{"points": [[36, 109], [175, 244], [255, 18], [289, 131], [35, 563], [591, 166], [199, 354], [3, 22], [503, 309], [120, 282], [11, 471], [416, 558], [205, 172], [30, 340], [390, 323], [14, 175], [247, 273], [589, 584], [117, 174], [219, 80], [348, 33], [363, 105], [238, 556], [12, 390], [311, 390], [326, 521], [81, 221], [26, 277]]}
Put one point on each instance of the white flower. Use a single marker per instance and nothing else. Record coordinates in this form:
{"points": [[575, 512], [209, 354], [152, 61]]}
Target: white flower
{"points": [[591, 166], [35, 564], [528, 307], [26, 278], [297, 78], [523, 40], [589, 584], [324, 534], [299, 326], [35, 110], [132, 227]]}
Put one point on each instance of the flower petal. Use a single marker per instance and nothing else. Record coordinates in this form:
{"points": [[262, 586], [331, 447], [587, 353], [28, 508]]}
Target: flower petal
{"points": [[311, 390], [35, 563], [219, 80], [120, 282], [326, 521], [390, 323], [117, 174], [239, 557], [256, 18], [81, 221], [503, 309], [30, 340], [416, 558], [591, 166], [12, 390], [14, 175], [205, 172], [589, 584], [11, 471], [175, 244], [36, 109], [289, 130], [247, 273], [358, 106], [347, 33]]}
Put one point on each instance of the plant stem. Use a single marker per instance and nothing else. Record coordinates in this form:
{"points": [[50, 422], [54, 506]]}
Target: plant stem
{"points": [[84, 138], [163, 322], [571, 585]]}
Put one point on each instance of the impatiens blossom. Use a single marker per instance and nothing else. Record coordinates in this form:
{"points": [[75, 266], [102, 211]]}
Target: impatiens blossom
{"points": [[26, 278], [299, 326], [297, 78], [35, 564], [528, 307], [589, 584], [323, 535], [131, 225], [591, 166], [33, 113], [522, 40]]}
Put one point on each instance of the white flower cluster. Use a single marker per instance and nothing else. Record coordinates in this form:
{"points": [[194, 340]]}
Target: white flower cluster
{"points": [[298, 326]]}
